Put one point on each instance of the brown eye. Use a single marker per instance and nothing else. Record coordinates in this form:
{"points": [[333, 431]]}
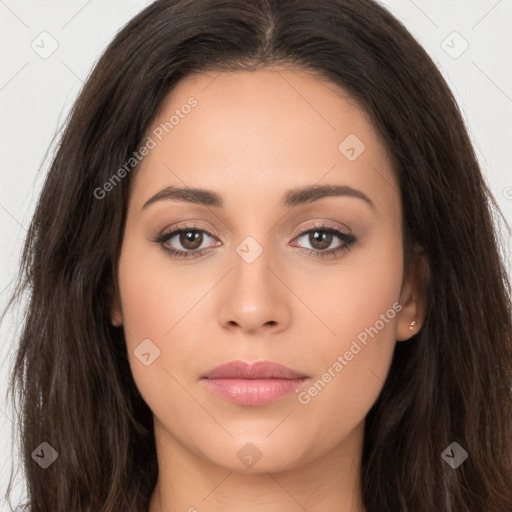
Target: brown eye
{"points": [[187, 242], [184, 242], [191, 239], [320, 239]]}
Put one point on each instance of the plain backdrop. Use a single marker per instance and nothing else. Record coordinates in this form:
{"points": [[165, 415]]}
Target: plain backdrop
{"points": [[47, 50]]}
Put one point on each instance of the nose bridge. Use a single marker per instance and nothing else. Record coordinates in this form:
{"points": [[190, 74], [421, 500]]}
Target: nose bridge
{"points": [[253, 296], [251, 264]]}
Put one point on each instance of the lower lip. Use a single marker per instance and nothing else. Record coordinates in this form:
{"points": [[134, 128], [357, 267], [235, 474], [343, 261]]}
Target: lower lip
{"points": [[253, 391]]}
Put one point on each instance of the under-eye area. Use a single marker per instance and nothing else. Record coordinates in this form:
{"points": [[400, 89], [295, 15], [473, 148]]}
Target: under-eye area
{"points": [[189, 241]]}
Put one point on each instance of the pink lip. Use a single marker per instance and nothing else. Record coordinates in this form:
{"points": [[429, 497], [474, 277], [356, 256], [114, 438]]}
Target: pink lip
{"points": [[254, 384]]}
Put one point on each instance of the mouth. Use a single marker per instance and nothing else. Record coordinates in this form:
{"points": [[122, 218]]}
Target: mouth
{"points": [[255, 384]]}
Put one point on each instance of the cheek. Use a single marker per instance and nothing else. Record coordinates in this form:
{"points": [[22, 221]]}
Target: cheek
{"points": [[350, 371], [153, 296], [346, 303], [360, 307], [351, 296], [157, 306]]}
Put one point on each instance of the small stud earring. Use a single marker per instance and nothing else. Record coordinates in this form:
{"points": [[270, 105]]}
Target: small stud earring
{"points": [[411, 326]]}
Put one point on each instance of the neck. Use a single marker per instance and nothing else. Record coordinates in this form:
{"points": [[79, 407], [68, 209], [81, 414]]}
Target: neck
{"points": [[189, 482]]}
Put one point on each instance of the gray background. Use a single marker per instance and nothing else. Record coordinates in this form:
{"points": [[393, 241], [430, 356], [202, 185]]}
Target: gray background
{"points": [[37, 88]]}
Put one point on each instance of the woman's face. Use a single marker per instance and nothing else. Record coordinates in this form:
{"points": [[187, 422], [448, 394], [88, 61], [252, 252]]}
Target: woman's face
{"points": [[273, 271]]}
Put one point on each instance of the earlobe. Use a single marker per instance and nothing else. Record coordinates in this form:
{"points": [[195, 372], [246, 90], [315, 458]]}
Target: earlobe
{"points": [[116, 317], [413, 298], [408, 322]]}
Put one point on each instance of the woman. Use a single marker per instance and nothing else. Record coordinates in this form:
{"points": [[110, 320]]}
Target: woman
{"points": [[184, 350]]}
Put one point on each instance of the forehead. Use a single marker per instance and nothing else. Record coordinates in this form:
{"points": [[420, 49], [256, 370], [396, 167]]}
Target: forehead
{"points": [[255, 134]]}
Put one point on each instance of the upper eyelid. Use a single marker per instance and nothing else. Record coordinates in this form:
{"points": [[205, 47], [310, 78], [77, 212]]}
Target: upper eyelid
{"points": [[316, 225], [347, 239], [191, 227], [171, 233], [324, 226]]}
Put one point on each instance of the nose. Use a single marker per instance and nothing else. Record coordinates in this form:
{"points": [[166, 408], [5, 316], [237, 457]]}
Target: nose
{"points": [[255, 298]]}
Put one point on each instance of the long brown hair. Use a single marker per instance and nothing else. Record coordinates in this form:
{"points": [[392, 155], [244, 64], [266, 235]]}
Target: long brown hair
{"points": [[452, 382]]}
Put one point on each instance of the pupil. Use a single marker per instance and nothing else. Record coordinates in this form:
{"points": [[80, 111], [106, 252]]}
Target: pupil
{"points": [[325, 239], [189, 239]]}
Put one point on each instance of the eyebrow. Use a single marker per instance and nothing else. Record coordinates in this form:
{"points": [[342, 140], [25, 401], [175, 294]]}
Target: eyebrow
{"points": [[294, 197]]}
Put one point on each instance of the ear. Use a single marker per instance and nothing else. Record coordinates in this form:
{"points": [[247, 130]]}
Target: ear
{"points": [[413, 297], [114, 306]]}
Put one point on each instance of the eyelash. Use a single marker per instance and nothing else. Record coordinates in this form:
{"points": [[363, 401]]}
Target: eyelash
{"points": [[349, 241]]}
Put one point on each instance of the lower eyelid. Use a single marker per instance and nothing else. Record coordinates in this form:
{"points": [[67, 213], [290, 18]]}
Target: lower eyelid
{"points": [[346, 240], [169, 236]]}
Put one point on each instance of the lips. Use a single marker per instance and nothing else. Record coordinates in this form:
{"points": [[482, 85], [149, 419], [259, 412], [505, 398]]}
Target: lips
{"points": [[257, 370], [253, 384]]}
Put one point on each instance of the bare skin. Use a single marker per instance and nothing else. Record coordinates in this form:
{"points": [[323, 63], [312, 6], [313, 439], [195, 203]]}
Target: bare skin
{"points": [[252, 137]]}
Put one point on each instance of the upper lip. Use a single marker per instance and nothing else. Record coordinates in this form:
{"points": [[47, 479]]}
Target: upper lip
{"points": [[256, 370]]}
